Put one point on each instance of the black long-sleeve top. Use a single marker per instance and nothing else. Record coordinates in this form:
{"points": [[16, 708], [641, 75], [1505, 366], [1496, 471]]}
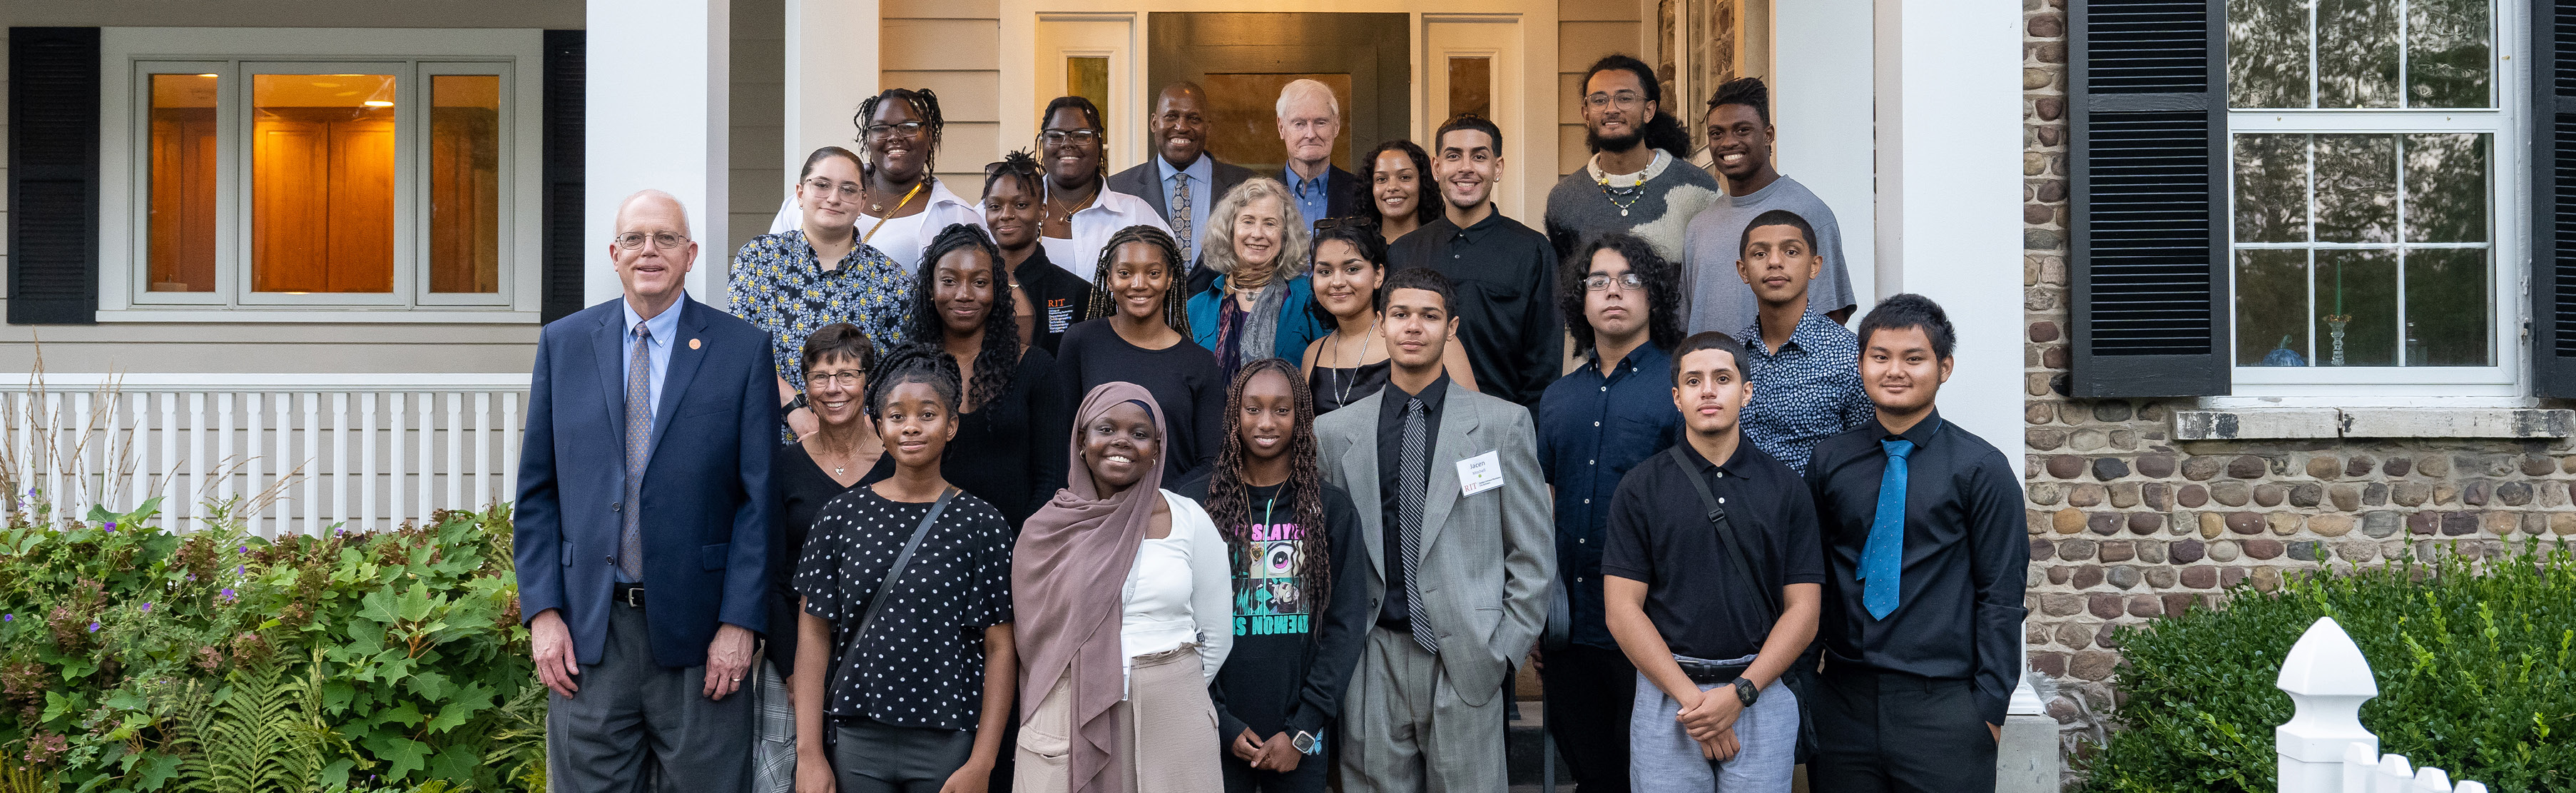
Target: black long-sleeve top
{"points": [[1011, 453], [1184, 379], [1959, 608], [803, 489], [1060, 299], [1290, 664], [1505, 275]]}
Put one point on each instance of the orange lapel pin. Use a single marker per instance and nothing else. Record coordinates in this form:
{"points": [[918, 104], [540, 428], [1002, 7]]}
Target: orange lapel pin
{"points": [[693, 344]]}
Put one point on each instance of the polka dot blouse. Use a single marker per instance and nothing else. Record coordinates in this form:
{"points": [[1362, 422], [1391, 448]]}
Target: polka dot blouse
{"points": [[922, 663]]}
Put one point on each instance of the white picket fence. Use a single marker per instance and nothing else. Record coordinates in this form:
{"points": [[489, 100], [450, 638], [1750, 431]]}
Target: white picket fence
{"points": [[302, 451], [2323, 748]]}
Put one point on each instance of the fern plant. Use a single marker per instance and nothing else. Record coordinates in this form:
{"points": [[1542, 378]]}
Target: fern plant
{"points": [[261, 732]]}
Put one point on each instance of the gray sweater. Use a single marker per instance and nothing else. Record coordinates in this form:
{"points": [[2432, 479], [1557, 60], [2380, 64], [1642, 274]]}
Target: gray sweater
{"points": [[1720, 301], [1580, 211]]}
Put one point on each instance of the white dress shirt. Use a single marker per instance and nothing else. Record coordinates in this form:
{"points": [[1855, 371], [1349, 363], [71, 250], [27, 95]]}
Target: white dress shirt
{"points": [[1092, 227]]}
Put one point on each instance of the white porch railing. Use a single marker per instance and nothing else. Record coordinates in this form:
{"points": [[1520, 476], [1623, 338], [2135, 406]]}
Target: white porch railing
{"points": [[302, 451], [2323, 748]]}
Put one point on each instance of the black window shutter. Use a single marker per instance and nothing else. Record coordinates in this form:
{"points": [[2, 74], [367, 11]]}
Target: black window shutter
{"points": [[2147, 124], [563, 191], [53, 176], [2553, 198]]}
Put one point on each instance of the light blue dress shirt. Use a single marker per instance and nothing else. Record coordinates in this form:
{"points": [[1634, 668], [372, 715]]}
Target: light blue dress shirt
{"points": [[1314, 196], [664, 326], [1202, 193]]}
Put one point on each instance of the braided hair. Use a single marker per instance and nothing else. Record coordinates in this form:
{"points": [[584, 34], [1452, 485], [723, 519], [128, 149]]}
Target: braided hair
{"points": [[1176, 310], [1229, 503], [924, 102], [1090, 113], [913, 362], [1000, 356], [1016, 165]]}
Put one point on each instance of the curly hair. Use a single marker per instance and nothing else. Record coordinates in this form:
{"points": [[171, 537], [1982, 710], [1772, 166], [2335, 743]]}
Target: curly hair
{"points": [[925, 104], [1663, 289], [1000, 355], [1664, 131], [1020, 165], [1426, 202], [912, 362], [1176, 310], [1294, 247], [1229, 503]]}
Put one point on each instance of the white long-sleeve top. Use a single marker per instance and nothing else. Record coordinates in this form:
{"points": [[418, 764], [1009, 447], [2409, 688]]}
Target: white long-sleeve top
{"points": [[1180, 591]]}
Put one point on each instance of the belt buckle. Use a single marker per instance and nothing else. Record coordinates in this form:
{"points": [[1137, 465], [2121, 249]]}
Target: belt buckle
{"points": [[634, 597]]}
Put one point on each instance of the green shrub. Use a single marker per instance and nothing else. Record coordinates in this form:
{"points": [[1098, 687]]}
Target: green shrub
{"points": [[135, 659], [2473, 662]]}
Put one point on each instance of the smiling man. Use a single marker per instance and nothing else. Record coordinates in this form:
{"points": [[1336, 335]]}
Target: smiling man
{"points": [[1507, 321], [1182, 181], [1924, 565], [1639, 180], [1739, 145], [1803, 364]]}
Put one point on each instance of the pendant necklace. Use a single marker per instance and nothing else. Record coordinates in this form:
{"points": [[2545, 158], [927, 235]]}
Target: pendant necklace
{"points": [[1345, 396]]}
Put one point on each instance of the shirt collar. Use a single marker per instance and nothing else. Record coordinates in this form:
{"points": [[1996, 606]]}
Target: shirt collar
{"points": [[1646, 356], [1920, 434], [1471, 234], [1432, 395], [1288, 173], [1735, 463], [1806, 336], [663, 325], [1200, 170]]}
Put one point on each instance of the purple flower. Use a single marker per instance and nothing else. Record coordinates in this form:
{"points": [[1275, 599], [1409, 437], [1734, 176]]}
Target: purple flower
{"points": [[111, 526], [8, 618], [245, 549], [147, 608], [93, 627], [228, 593]]}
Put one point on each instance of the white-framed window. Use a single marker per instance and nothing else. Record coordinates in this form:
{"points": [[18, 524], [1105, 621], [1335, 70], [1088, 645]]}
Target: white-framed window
{"points": [[2377, 197], [320, 175]]}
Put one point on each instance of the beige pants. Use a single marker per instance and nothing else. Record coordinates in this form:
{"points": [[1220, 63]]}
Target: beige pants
{"points": [[1167, 740]]}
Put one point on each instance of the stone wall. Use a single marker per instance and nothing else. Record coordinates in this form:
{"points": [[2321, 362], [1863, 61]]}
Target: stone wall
{"points": [[2127, 524]]}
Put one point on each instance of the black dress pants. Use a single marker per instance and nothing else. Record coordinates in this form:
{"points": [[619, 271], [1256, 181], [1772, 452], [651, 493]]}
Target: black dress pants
{"points": [[1589, 690], [1891, 732]]}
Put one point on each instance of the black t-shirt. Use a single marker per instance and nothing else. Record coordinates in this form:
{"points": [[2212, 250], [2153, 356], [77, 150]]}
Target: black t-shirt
{"points": [[1061, 300], [1290, 662], [1660, 534], [803, 489], [921, 664], [1011, 453], [1184, 379]]}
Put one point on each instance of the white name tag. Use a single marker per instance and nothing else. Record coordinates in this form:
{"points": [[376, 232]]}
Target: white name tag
{"points": [[1480, 473]]}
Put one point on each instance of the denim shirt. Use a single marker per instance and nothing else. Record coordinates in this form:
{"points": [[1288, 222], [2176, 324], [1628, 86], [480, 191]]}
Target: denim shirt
{"points": [[1592, 428]]}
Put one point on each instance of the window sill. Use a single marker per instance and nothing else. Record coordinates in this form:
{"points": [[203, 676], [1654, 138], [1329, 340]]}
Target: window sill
{"points": [[2372, 422], [382, 314]]}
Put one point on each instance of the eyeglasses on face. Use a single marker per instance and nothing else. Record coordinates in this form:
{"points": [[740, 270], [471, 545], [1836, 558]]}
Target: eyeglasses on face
{"points": [[1058, 137], [1623, 99], [849, 191], [663, 240], [1630, 281], [909, 129], [846, 378]]}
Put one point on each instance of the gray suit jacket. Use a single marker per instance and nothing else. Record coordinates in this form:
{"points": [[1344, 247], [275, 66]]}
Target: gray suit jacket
{"points": [[1146, 181], [1487, 559]]}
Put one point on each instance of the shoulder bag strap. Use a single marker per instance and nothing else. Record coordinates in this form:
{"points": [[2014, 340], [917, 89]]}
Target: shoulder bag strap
{"points": [[894, 573], [1725, 532]]}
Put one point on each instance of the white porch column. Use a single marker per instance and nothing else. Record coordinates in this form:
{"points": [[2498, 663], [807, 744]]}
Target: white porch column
{"points": [[1821, 113], [1949, 191], [655, 117], [832, 64]]}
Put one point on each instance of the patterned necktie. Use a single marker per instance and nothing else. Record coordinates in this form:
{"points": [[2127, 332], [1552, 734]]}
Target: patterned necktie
{"points": [[639, 439], [1410, 484], [1882, 560], [1181, 231]]}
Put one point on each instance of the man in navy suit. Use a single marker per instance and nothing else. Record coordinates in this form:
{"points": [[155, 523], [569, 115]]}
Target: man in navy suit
{"points": [[643, 522]]}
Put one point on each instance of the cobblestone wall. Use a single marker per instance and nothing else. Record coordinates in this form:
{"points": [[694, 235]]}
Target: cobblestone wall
{"points": [[2127, 525]]}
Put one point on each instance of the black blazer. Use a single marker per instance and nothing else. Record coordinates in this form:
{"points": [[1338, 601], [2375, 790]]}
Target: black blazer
{"points": [[1146, 181]]}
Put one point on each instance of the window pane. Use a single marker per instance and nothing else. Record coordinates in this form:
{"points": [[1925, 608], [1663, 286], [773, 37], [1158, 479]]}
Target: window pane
{"points": [[1471, 86], [2271, 188], [322, 183], [2447, 57], [2356, 188], [2356, 53], [2447, 305], [2446, 187], [2271, 299], [1088, 77], [2267, 53], [464, 183], [2356, 300], [181, 242]]}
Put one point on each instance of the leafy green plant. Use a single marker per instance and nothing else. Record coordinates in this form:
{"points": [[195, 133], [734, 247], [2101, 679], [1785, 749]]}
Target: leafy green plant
{"points": [[2475, 661]]}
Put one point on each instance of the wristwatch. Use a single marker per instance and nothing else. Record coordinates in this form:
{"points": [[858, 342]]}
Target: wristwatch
{"points": [[1307, 743], [1745, 693], [793, 404]]}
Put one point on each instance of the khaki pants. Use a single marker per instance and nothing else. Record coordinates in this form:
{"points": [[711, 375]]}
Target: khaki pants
{"points": [[1167, 741]]}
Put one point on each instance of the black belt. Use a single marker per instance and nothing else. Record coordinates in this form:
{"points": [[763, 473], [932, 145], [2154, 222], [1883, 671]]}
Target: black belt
{"points": [[1712, 673], [629, 594]]}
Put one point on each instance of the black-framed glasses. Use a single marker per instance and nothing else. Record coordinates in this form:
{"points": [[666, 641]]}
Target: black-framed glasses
{"points": [[1058, 137], [1023, 167], [1623, 99], [909, 129], [662, 239], [1628, 281]]}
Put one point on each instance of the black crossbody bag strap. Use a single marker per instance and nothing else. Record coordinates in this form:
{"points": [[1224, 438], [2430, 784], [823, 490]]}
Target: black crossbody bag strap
{"points": [[885, 591], [1725, 531]]}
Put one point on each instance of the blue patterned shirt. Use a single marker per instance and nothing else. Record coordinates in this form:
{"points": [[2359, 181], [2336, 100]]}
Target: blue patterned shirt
{"points": [[1806, 392], [1592, 428], [777, 287]]}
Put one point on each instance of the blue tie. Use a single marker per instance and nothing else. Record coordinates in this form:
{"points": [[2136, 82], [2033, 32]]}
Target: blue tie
{"points": [[1882, 560]]}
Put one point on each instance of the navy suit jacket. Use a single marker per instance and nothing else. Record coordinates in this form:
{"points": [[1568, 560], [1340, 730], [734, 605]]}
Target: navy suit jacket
{"points": [[707, 496]]}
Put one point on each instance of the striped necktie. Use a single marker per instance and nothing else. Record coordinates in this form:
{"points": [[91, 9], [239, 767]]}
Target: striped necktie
{"points": [[1411, 485]]}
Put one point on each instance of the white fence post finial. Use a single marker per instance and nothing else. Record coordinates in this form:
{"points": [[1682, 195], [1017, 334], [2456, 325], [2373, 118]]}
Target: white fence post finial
{"points": [[2327, 680]]}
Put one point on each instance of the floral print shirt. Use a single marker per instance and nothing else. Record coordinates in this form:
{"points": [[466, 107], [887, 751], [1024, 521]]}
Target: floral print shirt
{"points": [[779, 288]]}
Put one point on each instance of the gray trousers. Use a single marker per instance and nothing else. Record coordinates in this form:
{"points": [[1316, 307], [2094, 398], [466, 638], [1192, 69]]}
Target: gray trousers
{"points": [[1405, 728], [1662, 758], [630, 711], [875, 757]]}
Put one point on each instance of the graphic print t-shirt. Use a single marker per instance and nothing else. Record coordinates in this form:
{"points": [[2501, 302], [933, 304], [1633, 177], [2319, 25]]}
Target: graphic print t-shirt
{"points": [[1269, 601]]}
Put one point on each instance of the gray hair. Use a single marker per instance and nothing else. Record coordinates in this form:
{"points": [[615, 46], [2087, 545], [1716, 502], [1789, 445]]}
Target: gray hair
{"points": [[1306, 87], [1296, 239]]}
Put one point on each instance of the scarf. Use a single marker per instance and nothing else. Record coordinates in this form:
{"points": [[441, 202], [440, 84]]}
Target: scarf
{"points": [[1260, 334], [1068, 573]]}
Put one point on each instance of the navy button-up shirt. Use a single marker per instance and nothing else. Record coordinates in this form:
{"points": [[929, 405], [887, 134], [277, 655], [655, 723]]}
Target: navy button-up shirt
{"points": [[1806, 392], [1592, 428]]}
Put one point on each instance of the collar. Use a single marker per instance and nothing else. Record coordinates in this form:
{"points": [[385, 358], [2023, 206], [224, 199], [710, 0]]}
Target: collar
{"points": [[1735, 463], [1201, 170], [1646, 356], [1921, 434], [1037, 258], [1432, 395], [1654, 168], [1470, 234], [1288, 173], [664, 325], [1804, 337], [1757, 196]]}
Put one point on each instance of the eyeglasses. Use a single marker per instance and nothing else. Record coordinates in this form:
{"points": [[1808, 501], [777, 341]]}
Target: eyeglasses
{"points": [[1024, 167], [849, 190], [1629, 281], [1057, 137], [909, 129], [846, 378], [1623, 99], [661, 239]]}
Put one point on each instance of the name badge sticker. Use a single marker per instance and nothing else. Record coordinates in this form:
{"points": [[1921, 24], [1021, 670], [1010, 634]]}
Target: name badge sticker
{"points": [[1480, 473]]}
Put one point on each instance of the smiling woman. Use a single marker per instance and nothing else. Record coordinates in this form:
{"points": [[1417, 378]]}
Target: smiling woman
{"points": [[1256, 308]]}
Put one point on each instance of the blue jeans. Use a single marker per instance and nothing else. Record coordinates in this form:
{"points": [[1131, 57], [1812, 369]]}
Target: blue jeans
{"points": [[1662, 758]]}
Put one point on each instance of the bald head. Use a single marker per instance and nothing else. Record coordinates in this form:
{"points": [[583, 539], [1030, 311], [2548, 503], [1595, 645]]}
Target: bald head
{"points": [[1179, 124], [656, 204], [653, 270]]}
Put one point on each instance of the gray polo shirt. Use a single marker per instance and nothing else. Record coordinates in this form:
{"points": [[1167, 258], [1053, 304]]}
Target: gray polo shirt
{"points": [[1720, 300]]}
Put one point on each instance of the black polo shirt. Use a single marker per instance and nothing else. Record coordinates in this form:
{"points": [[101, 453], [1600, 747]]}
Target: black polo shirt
{"points": [[1395, 613], [1959, 609], [1698, 600], [1505, 276]]}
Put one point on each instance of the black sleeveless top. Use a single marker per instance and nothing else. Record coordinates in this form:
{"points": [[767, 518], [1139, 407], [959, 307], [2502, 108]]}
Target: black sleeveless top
{"points": [[1335, 388]]}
